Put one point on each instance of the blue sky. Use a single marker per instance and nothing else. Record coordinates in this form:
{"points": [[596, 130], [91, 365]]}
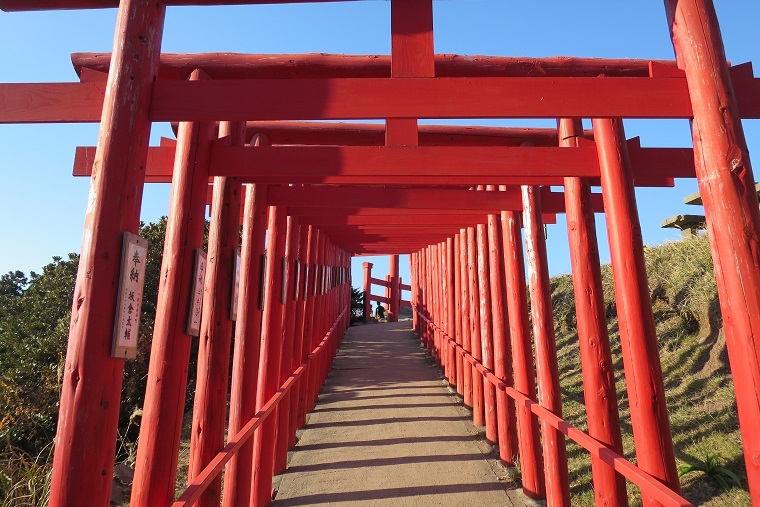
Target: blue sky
{"points": [[43, 204]]}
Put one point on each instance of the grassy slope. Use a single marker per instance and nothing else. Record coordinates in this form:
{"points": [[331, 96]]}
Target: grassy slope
{"points": [[698, 385]]}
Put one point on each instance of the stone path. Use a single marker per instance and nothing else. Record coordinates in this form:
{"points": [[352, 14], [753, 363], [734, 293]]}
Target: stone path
{"points": [[387, 431]]}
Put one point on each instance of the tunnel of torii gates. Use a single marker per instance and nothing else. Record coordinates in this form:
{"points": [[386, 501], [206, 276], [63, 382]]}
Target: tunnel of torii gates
{"points": [[453, 197]]}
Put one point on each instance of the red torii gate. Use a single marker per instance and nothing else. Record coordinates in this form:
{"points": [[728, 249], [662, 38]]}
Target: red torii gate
{"points": [[703, 90]]}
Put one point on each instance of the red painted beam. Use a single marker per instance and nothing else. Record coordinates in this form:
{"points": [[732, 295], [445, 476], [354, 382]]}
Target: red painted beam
{"points": [[392, 198], [286, 164], [314, 65], [349, 98], [407, 198], [51, 102], [377, 98], [47, 5], [415, 165], [345, 99], [394, 220], [317, 211], [373, 134]]}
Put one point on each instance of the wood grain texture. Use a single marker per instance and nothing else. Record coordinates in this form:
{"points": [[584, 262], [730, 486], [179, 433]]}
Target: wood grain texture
{"points": [[502, 356], [85, 443], [641, 361], [158, 449], [726, 183], [245, 361], [270, 357], [531, 461], [544, 342], [209, 407], [593, 339], [314, 65]]}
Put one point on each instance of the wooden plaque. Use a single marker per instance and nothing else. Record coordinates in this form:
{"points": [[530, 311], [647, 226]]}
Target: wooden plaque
{"points": [[129, 300], [196, 294]]}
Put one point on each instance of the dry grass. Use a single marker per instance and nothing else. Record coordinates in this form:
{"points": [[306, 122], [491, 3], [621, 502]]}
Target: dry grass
{"points": [[698, 386], [24, 479]]}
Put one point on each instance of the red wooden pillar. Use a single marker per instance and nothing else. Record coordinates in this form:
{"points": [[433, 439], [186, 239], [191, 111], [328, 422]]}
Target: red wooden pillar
{"points": [[467, 370], [292, 247], [269, 363], [553, 442], [429, 273], [419, 289], [209, 408], [486, 330], [457, 314], [443, 292], [531, 462], [641, 361], [502, 357], [387, 304], [302, 344], [726, 183], [429, 337], [308, 321], [91, 388], [319, 313], [411, 56], [158, 449], [452, 309], [367, 290], [245, 362], [395, 298], [478, 403], [437, 309], [413, 298], [593, 341]]}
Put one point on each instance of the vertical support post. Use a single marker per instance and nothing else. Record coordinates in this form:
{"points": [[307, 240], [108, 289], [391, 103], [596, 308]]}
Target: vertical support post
{"points": [[413, 297], [158, 449], [292, 247], [420, 277], [531, 461], [593, 341], [318, 319], [478, 403], [395, 298], [367, 290], [435, 280], [457, 314], [387, 304], [209, 409], [308, 321], [486, 330], [302, 343], [443, 292], [555, 454], [507, 430], [726, 183], [467, 370], [269, 363], [91, 388], [641, 361], [428, 342], [411, 56], [245, 361], [452, 309], [429, 273]]}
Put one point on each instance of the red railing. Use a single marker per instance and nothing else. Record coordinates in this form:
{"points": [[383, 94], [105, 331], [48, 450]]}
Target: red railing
{"points": [[196, 487], [637, 476]]}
